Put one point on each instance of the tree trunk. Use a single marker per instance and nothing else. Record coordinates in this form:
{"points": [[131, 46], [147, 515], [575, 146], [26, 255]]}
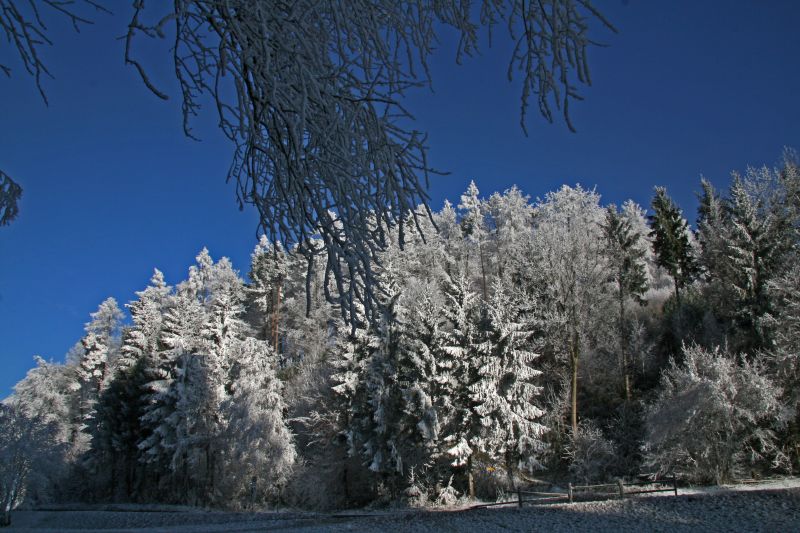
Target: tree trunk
{"points": [[574, 388], [5, 519], [483, 272], [470, 478], [276, 309], [623, 346]]}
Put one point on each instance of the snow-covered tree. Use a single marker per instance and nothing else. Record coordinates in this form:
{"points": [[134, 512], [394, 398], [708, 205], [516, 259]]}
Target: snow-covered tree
{"points": [[258, 461], [205, 380], [116, 427], [473, 228], [512, 215], [458, 371], [96, 365], [28, 447], [47, 393], [506, 394], [147, 313], [572, 270], [785, 354], [167, 379], [713, 416], [268, 273]]}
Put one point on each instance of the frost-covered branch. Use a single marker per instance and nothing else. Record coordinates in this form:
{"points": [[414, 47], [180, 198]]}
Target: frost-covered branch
{"points": [[310, 93], [22, 25]]}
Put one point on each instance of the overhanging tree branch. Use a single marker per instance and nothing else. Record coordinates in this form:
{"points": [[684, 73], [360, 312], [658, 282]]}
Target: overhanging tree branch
{"points": [[310, 93], [25, 31]]}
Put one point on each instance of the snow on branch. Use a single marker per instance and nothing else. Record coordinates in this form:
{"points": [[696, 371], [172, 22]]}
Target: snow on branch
{"points": [[310, 93]]}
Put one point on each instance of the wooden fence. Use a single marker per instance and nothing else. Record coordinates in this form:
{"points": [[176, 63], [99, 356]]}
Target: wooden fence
{"points": [[618, 490]]}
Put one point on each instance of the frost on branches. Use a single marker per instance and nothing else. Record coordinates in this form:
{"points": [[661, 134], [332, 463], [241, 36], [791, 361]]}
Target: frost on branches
{"points": [[311, 95], [234, 393], [714, 417]]}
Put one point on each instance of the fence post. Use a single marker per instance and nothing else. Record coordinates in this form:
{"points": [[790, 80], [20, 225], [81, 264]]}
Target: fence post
{"points": [[519, 497], [675, 484], [569, 491], [621, 488]]}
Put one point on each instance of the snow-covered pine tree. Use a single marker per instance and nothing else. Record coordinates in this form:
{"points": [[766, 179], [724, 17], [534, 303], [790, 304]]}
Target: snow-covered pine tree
{"points": [[424, 389], [268, 273], [164, 420], [785, 354], [658, 279], [381, 448], [255, 464], [207, 382], [101, 348], [754, 251], [115, 432], [147, 313], [506, 392], [117, 429], [457, 371], [473, 228], [97, 365]]}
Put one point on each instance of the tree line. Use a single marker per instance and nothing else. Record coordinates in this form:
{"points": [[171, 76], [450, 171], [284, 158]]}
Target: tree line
{"points": [[518, 340]]}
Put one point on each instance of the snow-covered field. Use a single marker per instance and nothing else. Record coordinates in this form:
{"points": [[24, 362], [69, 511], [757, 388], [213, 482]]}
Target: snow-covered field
{"points": [[768, 507]]}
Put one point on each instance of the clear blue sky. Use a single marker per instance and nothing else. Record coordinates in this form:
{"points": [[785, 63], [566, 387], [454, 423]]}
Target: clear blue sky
{"points": [[113, 188]]}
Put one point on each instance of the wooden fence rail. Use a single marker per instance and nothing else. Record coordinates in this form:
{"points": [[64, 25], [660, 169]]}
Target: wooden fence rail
{"points": [[612, 490]]}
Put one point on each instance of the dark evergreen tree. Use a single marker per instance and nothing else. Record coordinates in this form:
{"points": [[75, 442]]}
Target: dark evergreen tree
{"points": [[671, 244], [627, 269]]}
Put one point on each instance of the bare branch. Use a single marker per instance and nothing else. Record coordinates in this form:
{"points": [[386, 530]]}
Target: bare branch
{"points": [[310, 93]]}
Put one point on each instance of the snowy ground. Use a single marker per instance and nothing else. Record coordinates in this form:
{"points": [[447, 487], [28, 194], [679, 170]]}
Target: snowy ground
{"points": [[769, 507]]}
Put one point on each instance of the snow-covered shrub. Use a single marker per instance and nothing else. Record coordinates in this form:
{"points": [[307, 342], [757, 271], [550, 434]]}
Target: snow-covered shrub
{"points": [[712, 417], [416, 492], [448, 495], [590, 454]]}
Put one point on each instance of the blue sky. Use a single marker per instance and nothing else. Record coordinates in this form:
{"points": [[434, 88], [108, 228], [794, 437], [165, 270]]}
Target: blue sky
{"points": [[113, 188]]}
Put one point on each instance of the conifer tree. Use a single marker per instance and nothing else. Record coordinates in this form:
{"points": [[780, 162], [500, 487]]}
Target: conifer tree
{"points": [[627, 269], [473, 227], [258, 461], [754, 253], [506, 392], [458, 368], [671, 244], [268, 272]]}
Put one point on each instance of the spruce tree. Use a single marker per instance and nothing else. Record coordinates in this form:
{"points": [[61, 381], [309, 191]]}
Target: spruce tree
{"points": [[627, 269], [506, 392], [671, 244]]}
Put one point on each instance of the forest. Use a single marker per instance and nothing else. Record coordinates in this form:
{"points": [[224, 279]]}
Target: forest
{"points": [[516, 340]]}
